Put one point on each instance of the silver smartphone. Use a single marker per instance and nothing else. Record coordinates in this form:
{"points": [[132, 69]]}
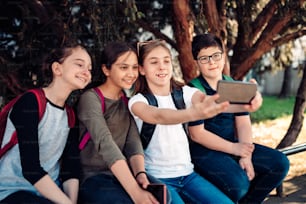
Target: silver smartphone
{"points": [[236, 92]]}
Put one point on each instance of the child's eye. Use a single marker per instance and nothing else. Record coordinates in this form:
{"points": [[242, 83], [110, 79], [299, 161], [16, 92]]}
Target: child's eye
{"points": [[135, 67], [123, 67]]}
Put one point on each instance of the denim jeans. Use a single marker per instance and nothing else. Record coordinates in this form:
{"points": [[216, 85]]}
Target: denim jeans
{"points": [[104, 188], [194, 189], [26, 197], [223, 170]]}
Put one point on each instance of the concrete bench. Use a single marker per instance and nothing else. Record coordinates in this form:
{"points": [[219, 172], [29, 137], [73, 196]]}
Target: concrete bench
{"points": [[294, 149]]}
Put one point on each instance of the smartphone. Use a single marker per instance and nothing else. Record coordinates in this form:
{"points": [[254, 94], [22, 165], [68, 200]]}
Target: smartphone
{"points": [[236, 92], [159, 191]]}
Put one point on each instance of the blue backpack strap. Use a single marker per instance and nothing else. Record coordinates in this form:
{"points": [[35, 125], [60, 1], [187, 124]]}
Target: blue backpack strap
{"points": [[147, 129], [178, 98]]}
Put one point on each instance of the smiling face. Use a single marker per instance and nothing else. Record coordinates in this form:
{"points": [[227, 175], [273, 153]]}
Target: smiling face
{"points": [[157, 68], [214, 67], [75, 68], [123, 72]]}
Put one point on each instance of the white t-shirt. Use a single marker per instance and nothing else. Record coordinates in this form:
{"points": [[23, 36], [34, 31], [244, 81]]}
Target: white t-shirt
{"points": [[167, 155]]}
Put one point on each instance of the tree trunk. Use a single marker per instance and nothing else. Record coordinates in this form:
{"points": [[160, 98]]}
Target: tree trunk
{"points": [[215, 14], [285, 90], [183, 29], [298, 115]]}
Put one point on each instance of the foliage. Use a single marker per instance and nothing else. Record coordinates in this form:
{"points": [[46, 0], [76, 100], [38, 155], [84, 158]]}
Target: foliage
{"points": [[29, 29]]}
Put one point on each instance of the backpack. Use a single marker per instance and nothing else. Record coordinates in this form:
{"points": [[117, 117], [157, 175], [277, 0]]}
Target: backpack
{"points": [[196, 82], [42, 102], [147, 129], [86, 136]]}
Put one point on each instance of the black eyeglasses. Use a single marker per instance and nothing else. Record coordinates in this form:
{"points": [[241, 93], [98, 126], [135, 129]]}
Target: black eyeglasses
{"points": [[141, 44], [205, 59]]}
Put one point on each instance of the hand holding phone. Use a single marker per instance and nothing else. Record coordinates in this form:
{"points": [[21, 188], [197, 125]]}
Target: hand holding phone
{"points": [[236, 92], [159, 191]]}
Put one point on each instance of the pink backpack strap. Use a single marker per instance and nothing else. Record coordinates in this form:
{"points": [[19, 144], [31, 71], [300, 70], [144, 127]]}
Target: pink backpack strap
{"points": [[86, 137]]}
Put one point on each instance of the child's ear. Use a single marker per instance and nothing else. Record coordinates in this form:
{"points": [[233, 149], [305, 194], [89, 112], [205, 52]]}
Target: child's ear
{"points": [[56, 68], [141, 70], [105, 70]]}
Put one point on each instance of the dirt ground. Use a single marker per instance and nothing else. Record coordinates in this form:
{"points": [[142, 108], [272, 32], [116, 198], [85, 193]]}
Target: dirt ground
{"points": [[294, 186], [271, 132]]}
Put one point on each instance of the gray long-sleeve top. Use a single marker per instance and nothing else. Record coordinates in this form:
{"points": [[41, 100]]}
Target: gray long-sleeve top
{"points": [[114, 135]]}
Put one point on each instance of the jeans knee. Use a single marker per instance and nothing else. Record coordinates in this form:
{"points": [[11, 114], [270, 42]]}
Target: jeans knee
{"points": [[282, 166], [239, 190]]}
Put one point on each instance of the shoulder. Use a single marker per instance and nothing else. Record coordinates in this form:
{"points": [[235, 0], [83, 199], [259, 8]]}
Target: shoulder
{"points": [[28, 99], [189, 91], [26, 104], [189, 88], [137, 98], [88, 95]]}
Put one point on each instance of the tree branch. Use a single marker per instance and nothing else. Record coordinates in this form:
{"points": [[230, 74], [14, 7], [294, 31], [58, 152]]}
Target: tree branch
{"points": [[156, 32], [263, 17], [288, 37]]}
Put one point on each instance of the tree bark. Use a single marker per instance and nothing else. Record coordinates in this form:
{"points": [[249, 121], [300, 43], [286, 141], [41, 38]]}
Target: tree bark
{"points": [[183, 29], [298, 115], [248, 49], [285, 90], [215, 14]]}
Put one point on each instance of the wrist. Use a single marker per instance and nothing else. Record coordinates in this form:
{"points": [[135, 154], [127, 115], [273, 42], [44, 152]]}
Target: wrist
{"points": [[140, 172]]}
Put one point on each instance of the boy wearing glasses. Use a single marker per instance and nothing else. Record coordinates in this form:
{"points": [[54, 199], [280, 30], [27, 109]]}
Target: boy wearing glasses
{"points": [[223, 151]]}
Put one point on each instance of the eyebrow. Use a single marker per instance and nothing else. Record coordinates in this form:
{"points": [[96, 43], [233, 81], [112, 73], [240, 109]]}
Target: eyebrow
{"points": [[160, 57], [79, 59]]}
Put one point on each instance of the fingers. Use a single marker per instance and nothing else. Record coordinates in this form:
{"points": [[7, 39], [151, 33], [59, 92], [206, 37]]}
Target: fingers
{"points": [[253, 81]]}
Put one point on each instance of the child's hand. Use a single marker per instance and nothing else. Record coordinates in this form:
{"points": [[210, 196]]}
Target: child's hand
{"points": [[247, 166], [208, 108], [242, 149], [256, 101]]}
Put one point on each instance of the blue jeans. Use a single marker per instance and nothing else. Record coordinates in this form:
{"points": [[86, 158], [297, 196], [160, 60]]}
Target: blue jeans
{"points": [[194, 189], [25, 197], [104, 188], [223, 170]]}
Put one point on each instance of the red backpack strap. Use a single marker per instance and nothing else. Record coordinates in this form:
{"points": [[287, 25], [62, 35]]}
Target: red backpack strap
{"points": [[41, 101], [3, 116], [71, 116]]}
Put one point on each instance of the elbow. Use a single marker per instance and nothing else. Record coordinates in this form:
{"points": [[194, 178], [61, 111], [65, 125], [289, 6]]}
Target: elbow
{"points": [[194, 137]]}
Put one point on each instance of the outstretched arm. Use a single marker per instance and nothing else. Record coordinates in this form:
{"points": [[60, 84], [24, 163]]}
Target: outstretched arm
{"points": [[202, 107]]}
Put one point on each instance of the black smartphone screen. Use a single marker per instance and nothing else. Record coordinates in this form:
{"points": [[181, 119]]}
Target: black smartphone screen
{"points": [[159, 192]]}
